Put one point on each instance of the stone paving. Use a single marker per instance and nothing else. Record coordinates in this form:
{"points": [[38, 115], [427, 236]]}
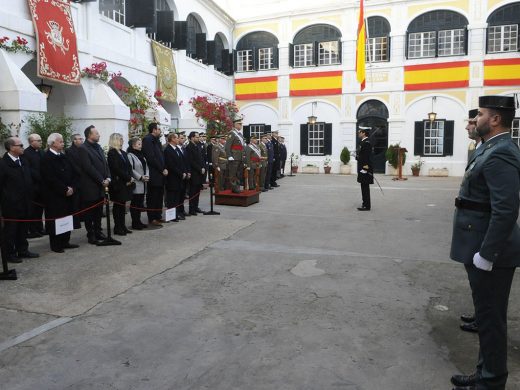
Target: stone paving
{"points": [[300, 291]]}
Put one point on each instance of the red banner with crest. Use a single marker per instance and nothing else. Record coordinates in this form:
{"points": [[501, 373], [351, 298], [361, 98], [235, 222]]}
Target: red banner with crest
{"points": [[56, 41]]}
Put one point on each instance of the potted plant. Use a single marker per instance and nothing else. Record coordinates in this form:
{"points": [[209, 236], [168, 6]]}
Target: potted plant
{"points": [[392, 156], [416, 167], [345, 168], [326, 164], [295, 162]]}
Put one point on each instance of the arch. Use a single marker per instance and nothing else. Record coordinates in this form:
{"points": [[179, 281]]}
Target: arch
{"points": [[317, 32], [309, 102], [223, 38], [258, 39], [192, 17], [437, 20], [372, 108], [505, 14], [461, 104], [248, 105], [378, 26], [260, 113]]}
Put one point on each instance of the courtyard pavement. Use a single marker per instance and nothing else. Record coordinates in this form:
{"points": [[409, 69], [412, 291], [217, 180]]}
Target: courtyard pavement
{"points": [[300, 291]]}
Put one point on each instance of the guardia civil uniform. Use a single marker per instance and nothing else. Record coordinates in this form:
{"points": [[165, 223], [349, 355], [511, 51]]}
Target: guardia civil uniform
{"points": [[485, 227]]}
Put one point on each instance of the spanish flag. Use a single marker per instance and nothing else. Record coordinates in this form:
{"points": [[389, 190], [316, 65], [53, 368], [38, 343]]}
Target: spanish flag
{"points": [[360, 51], [316, 83], [256, 88], [436, 76], [502, 72]]}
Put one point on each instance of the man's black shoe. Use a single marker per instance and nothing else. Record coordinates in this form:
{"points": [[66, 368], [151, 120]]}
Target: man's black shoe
{"points": [[464, 380], [363, 208], [467, 318], [34, 235], [137, 227], [28, 255], [42, 232], [470, 327], [275, 185], [58, 250], [93, 241], [181, 217], [464, 388], [264, 190], [70, 246], [100, 236], [14, 259], [200, 211], [192, 213]]}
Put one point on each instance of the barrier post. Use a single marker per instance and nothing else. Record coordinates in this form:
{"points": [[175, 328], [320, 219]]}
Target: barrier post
{"points": [[211, 176], [109, 241]]}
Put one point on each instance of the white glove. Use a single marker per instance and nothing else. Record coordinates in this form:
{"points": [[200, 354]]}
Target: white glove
{"points": [[362, 171], [481, 263], [231, 159]]}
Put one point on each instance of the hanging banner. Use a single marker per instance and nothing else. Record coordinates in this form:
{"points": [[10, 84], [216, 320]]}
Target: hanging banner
{"points": [[56, 46], [502, 72], [256, 88], [316, 83], [436, 76], [166, 74]]}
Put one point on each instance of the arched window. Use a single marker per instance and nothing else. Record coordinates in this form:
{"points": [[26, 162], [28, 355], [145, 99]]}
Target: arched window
{"points": [[437, 34], [194, 28], [319, 44], [219, 48], [502, 31], [257, 51], [372, 108], [378, 42]]}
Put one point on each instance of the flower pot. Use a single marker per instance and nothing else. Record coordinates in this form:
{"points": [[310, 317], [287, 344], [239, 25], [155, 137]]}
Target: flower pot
{"points": [[327, 169], [415, 171], [310, 169], [294, 169], [345, 169]]}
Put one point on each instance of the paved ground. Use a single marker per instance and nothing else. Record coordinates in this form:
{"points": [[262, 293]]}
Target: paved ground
{"points": [[298, 292]]}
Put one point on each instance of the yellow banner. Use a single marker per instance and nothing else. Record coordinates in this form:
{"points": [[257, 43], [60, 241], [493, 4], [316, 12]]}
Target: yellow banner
{"points": [[166, 73]]}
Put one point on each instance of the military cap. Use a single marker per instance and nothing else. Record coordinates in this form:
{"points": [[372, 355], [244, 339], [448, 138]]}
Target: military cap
{"points": [[181, 132], [275, 131], [237, 120], [222, 136], [202, 133], [497, 102], [472, 113], [253, 136]]}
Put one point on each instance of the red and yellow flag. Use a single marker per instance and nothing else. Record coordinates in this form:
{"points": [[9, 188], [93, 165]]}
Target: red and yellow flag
{"points": [[256, 88], [502, 72], [442, 75], [316, 83], [360, 51]]}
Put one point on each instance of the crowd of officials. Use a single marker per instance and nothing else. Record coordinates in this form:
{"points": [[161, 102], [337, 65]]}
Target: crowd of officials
{"points": [[38, 185]]}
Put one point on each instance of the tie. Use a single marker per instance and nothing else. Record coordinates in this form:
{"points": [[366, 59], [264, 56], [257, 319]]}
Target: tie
{"points": [[18, 162]]}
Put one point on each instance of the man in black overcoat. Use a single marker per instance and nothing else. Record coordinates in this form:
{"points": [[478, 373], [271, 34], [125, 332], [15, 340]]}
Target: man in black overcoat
{"points": [[198, 171], [33, 154], [72, 153], [15, 198], [153, 153], [276, 158], [94, 178], [177, 174], [364, 168], [283, 156], [60, 180]]}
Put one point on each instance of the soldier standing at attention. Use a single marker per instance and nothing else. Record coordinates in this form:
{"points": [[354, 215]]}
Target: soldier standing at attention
{"points": [[364, 167], [486, 237], [253, 160], [263, 165], [219, 158], [235, 148]]}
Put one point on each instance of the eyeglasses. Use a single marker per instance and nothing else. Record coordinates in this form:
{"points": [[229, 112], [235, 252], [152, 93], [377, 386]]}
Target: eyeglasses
{"points": [[20, 145]]}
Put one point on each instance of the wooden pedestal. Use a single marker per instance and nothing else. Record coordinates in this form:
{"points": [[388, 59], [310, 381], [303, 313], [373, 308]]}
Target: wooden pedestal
{"points": [[244, 199]]}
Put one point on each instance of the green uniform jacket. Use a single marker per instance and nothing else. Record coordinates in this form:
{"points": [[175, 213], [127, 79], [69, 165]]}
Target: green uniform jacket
{"points": [[218, 156], [492, 177], [264, 156], [253, 160], [235, 146]]}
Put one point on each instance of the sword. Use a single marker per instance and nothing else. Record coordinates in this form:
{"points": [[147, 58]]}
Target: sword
{"points": [[377, 182]]}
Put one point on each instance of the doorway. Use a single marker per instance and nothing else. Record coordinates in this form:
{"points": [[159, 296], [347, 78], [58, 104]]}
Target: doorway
{"points": [[374, 115]]}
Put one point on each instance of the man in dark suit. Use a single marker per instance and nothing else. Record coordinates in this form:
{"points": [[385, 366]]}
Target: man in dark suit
{"points": [[177, 174], [197, 169], [33, 154], [153, 153], [364, 168], [486, 237], [276, 158], [283, 156], [72, 153], [60, 180], [181, 147], [94, 178], [15, 198], [270, 162]]}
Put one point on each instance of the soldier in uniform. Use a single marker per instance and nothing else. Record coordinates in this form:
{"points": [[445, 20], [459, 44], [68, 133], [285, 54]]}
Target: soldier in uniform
{"points": [[276, 159], [253, 160], [270, 162], [469, 324], [235, 148], [263, 163], [364, 167], [486, 237], [220, 162]]}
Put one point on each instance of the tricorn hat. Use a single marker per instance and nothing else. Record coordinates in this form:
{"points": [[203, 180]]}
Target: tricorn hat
{"points": [[472, 113], [497, 102], [237, 120]]}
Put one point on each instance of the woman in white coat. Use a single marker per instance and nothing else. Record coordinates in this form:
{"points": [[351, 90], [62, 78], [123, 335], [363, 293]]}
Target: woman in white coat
{"points": [[141, 174]]}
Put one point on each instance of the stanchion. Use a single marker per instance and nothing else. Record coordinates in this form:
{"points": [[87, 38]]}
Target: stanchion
{"points": [[6, 274], [109, 241], [211, 177], [291, 174]]}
